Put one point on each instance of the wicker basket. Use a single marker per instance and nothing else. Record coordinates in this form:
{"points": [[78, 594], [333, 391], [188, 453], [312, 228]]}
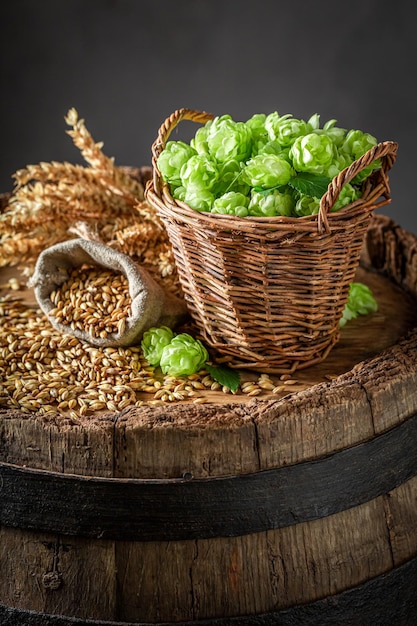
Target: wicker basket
{"points": [[268, 293]]}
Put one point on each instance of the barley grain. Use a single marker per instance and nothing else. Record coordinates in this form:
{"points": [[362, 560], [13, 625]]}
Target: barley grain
{"points": [[76, 307], [266, 385], [196, 384], [124, 403], [265, 382]]}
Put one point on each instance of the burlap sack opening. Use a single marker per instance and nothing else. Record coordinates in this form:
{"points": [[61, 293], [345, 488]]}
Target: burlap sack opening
{"points": [[151, 305]]}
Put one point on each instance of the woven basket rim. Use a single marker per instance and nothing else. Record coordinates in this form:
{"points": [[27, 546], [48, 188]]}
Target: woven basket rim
{"points": [[193, 215], [253, 225]]}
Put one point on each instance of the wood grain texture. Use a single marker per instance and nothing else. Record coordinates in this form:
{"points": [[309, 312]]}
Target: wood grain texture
{"points": [[188, 508], [375, 601], [51, 574]]}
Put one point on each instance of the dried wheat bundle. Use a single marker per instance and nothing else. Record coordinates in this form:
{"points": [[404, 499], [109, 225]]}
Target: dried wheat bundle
{"points": [[113, 178], [51, 197]]}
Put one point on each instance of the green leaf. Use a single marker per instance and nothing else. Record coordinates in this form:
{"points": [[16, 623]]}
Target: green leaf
{"points": [[310, 184], [224, 375], [266, 191]]}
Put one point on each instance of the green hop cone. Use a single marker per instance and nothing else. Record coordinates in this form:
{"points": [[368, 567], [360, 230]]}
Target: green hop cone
{"points": [[199, 141], [338, 164], [199, 173], [260, 136], [285, 129], [171, 160], [312, 153], [179, 193], [347, 195], [314, 122], [199, 199], [274, 147], [183, 356], [231, 203], [306, 205], [360, 302], [227, 139], [336, 134], [154, 341], [256, 123], [355, 145], [267, 170], [230, 178], [271, 204]]}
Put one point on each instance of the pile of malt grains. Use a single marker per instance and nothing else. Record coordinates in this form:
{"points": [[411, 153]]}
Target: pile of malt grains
{"points": [[93, 299], [46, 372]]}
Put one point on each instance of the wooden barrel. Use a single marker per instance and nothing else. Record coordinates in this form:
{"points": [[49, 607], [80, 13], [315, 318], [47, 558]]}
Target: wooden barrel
{"points": [[300, 510]]}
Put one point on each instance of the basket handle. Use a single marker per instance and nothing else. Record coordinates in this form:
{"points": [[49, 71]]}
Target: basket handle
{"points": [[386, 150], [166, 129]]}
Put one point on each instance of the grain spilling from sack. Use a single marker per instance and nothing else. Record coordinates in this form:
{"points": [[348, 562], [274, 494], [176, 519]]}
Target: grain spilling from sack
{"points": [[94, 299], [48, 373]]}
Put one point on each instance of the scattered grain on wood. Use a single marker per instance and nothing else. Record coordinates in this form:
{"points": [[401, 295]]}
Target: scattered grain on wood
{"points": [[49, 373]]}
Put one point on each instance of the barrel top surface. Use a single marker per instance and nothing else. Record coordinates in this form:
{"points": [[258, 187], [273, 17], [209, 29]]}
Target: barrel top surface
{"points": [[362, 340]]}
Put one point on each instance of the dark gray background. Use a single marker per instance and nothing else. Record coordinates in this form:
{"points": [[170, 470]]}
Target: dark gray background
{"points": [[125, 65]]}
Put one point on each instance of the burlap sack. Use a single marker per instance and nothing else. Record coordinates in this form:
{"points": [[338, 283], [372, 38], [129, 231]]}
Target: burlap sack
{"points": [[151, 305]]}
